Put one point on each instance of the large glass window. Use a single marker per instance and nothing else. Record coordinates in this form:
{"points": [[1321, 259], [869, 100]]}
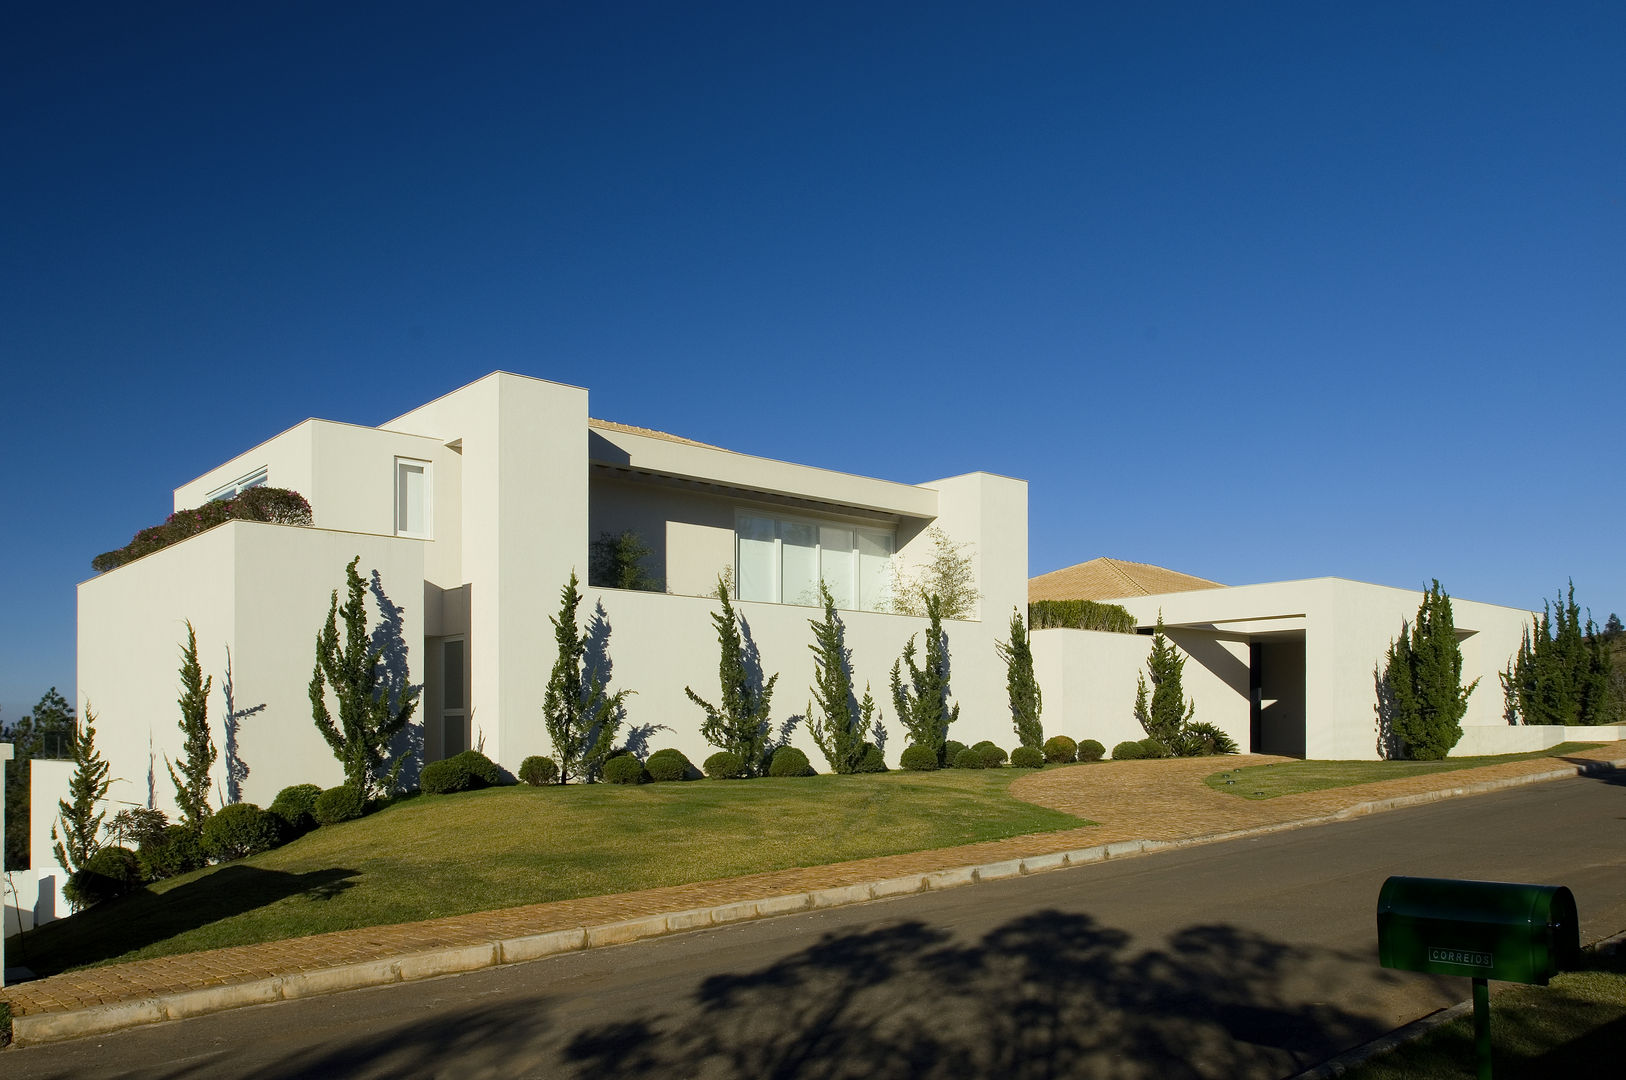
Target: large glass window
{"points": [[782, 560]]}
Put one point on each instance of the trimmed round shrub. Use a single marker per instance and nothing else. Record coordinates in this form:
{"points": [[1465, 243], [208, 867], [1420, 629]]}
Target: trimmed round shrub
{"points": [[873, 760], [968, 759], [295, 805], [482, 768], [789, 761], [336, 804], [666, 766], [538, 771], [1151, 748], [951, 753], [1059, 750], [1129, 750], [112, 871], [171, 853], [1090, 750], [624, 769], [992, 756], [919, 758], [445, 778], [1027, 757], [240, 830], [724, 765]]}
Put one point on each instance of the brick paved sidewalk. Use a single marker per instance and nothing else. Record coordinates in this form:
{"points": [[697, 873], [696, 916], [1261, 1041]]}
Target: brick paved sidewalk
{"points": [[1132, 800]]}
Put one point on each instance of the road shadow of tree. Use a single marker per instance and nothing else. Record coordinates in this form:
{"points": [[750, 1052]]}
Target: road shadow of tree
{"points": [[1043, 996], [118, 927], [1047, 995]]}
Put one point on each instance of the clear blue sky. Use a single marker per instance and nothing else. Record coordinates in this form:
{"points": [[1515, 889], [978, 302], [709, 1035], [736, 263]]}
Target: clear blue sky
{"points": [[1255, 291]]}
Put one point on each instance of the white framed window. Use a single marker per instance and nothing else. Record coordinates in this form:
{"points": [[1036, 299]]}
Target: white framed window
{"points": [[454, 696], [255, 479], [781, 560], [414, 498]]}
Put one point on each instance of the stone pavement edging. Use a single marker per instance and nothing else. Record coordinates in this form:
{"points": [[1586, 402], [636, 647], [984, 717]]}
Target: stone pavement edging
{"points": [[35, 1028]]}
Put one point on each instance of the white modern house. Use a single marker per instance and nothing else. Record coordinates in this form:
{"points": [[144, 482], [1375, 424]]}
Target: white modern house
{"points": [[473, 510]]}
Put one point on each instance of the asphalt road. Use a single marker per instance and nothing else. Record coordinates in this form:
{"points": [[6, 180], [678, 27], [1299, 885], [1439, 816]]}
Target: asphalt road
{"points": [[1255, 958]]}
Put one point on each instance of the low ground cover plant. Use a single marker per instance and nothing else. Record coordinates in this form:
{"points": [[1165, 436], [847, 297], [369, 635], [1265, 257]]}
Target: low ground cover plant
{"points": [[1293, 777]]}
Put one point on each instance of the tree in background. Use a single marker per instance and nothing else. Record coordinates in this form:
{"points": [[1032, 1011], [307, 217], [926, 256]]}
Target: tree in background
{"points": [[739, 723], [353, 670], [922, 702], [45, 732], [841, 725], [1563, 671], [617, 562], [198, 749], [1169, 711], [79, 820], [1612, 628], [1021, 685], [948, 575], [1422, 699], [581, 716]]}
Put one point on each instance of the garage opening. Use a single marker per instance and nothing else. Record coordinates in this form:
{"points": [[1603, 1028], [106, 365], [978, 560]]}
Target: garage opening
{"points": [[1276, 677]]}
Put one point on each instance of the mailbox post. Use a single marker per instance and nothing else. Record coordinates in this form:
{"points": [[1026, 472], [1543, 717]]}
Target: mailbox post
{"points": [[1482, 929]]}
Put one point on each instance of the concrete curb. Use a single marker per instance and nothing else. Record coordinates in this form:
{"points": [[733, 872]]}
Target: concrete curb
{"points": [[1336, 1067], [34, 1029]]}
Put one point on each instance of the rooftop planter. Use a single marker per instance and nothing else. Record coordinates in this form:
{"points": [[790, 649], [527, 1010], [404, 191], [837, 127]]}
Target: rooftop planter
{"points": [[279, 506]]}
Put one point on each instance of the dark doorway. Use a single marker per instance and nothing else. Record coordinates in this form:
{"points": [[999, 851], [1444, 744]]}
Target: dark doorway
{"points": [[1276, 692]]}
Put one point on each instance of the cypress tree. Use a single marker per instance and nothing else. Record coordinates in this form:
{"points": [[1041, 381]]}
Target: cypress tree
{"points": [[198, 752], [922, 702], [1021, 685], [740, 723], [840, 725], [354, 670], [582, 718], [1168, 713], [1422, 681], [1562, 671], [88, 786]]}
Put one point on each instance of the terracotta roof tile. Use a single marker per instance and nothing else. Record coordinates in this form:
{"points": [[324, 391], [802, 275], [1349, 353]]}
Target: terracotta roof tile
{"points": [[1112, 579]]}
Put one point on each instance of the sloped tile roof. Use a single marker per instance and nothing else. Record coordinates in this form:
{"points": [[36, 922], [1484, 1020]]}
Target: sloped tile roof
{"points": [[650, 433], [1112, 579]]}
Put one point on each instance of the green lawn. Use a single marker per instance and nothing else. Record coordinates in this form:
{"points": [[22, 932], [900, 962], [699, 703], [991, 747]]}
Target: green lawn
{"points": [[1574, 1027], [1292, 777], [431, 856]]}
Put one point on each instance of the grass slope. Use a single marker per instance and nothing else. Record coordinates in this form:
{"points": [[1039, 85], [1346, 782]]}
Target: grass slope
{"points": [[432, 856], [1574, 1027], [1292, 777]]}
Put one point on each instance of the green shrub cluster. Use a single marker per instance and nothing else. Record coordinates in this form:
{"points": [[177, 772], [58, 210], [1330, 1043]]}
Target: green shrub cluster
{"points": [[667, 766], [336, 804], [239, 830], [624, 769], [992, 756], [919, 759], [969, 759], [789, 761], [173, 852], [1153, 748], [112, 871], [537, 770], [951, 752], [460, 772], [724, 765], [873, 760], [1027, 757], [1090, 750], [1128, 750], [1059, 750], [277, 505], [296, 806], [1080, 615]]}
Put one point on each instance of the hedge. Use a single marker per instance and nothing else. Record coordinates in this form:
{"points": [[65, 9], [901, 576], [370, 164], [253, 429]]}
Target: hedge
{"points": [[1080, 615], [278, 505]]}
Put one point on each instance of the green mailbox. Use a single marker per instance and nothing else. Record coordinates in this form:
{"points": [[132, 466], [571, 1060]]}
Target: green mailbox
{"points": [[1480, 929]]}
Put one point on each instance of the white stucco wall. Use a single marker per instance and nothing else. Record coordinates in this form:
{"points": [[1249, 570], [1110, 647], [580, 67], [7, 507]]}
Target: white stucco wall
{"points": [[262, 591]]}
